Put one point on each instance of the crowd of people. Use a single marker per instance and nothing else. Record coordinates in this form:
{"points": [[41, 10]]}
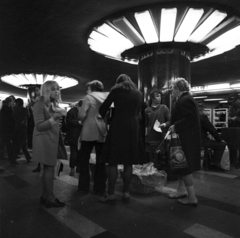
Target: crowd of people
{"points": [[13, 129], [110, 125]]}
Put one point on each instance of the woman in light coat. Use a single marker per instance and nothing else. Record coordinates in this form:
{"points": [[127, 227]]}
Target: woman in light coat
{"points": [[93, 134], [47, 140]]}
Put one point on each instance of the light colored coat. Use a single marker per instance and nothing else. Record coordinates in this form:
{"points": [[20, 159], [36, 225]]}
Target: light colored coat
{"points": [[45, 136], [94, 127]]}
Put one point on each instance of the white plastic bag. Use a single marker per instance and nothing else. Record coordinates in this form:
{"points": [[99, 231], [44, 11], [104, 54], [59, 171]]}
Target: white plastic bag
{"points": [[225, 161]]}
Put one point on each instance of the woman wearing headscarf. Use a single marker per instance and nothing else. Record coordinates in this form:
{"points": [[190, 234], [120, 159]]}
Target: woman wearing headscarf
{"points": [[186, 123], [122, 145]]}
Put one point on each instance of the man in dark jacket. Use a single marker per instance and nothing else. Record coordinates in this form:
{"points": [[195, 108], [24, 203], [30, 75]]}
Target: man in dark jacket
{"points": [[74, 127], [217, 145]]}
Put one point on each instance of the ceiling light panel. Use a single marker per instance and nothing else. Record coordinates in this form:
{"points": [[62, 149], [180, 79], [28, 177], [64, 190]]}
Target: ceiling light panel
{"points": [[115, 36], [129, 31], [167, 24], [209, 24], [188, 24], [146, 26], [231, 37], [35, 79]]}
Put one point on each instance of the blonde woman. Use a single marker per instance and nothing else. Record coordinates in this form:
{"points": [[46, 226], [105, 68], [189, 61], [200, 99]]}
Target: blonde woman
{"points": [[47, 139], [185, 122]]}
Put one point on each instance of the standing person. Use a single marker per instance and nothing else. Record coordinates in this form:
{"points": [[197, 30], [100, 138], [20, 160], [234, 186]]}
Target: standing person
{"points": [[20, 129], [186, 123], [217, 145], [122, 144], [93, 134], [47, 140], [74, 127], [7, 128], [155, 111]]}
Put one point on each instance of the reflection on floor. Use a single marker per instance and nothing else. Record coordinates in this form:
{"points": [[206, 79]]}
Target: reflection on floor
{"points": [[153, 215]]}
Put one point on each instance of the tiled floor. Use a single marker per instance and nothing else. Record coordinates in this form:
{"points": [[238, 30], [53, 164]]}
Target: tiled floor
{"points": [[153, 215]]}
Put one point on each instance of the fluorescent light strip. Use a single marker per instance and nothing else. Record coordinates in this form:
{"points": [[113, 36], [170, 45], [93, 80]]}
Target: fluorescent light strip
{"points": [[224, 101], [167, 24], [115, 36], [147, 26], [236, 85], [230, 37], [200, 97], [213, 99], [129, 31], [212, 21], [189, 23]]}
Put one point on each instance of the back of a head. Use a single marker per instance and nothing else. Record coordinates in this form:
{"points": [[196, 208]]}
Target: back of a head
{"points": [[19, 102], [181, 84], [79, 104], [125, 82], [95, 86]]}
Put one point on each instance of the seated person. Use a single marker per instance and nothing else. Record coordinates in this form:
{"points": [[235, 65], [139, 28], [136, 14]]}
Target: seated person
{"points": [[217, 145]]}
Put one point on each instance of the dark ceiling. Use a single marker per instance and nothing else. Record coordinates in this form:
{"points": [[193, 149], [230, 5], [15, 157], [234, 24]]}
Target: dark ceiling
{"points": [[50, 36]]}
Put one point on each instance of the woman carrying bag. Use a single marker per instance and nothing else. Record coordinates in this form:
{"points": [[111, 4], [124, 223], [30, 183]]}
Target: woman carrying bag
{"points": [[186, 123]]}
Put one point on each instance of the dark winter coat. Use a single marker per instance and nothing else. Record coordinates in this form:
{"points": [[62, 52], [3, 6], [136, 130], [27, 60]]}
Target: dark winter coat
{"points": [[73, 126], [123, 144], [185, 117]]}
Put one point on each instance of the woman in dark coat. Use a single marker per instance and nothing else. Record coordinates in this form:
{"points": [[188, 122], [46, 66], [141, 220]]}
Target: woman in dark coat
{"points": [[185, 122], [122, 145]]}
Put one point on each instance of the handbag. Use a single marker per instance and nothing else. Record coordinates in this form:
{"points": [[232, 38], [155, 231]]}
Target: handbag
{"points": [[177, 158]]}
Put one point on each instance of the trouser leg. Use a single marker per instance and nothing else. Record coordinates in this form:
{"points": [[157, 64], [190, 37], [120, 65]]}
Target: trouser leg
{"points": [[73, 156], [100, 177], [84, 175]]}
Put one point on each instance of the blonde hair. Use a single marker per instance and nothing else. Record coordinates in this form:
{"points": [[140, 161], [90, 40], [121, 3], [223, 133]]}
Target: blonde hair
{"points": [[46, 89], [181, 84]]}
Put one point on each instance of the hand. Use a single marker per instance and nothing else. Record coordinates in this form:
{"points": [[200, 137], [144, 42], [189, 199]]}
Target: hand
{"points": [[57, 116], [172, 128], [162, 125]]}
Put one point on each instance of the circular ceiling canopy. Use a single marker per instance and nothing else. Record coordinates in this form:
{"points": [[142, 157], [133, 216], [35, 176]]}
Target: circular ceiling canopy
{"points": [[205, 31], [28, 80]]}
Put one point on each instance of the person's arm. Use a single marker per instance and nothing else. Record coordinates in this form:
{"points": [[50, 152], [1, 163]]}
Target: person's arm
{"points": [[210, 128], [106, 104], [41, 123]]}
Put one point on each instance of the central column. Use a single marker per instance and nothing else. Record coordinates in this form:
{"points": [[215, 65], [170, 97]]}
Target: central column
{"points": [[158, 67]]}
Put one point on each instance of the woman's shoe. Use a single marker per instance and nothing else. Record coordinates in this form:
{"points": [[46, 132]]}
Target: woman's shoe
{"points": [[177, 195], [188, 201], [56, 203], [108, 199]]}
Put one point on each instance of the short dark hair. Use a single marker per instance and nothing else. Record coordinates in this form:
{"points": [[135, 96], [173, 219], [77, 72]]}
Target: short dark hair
{"points": [[95, 85], [19, 102], [152, 95], [80, 103]]}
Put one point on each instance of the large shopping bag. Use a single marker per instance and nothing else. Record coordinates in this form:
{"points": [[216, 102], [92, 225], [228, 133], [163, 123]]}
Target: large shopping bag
{"points": [[177, 158], [225, 161]]}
